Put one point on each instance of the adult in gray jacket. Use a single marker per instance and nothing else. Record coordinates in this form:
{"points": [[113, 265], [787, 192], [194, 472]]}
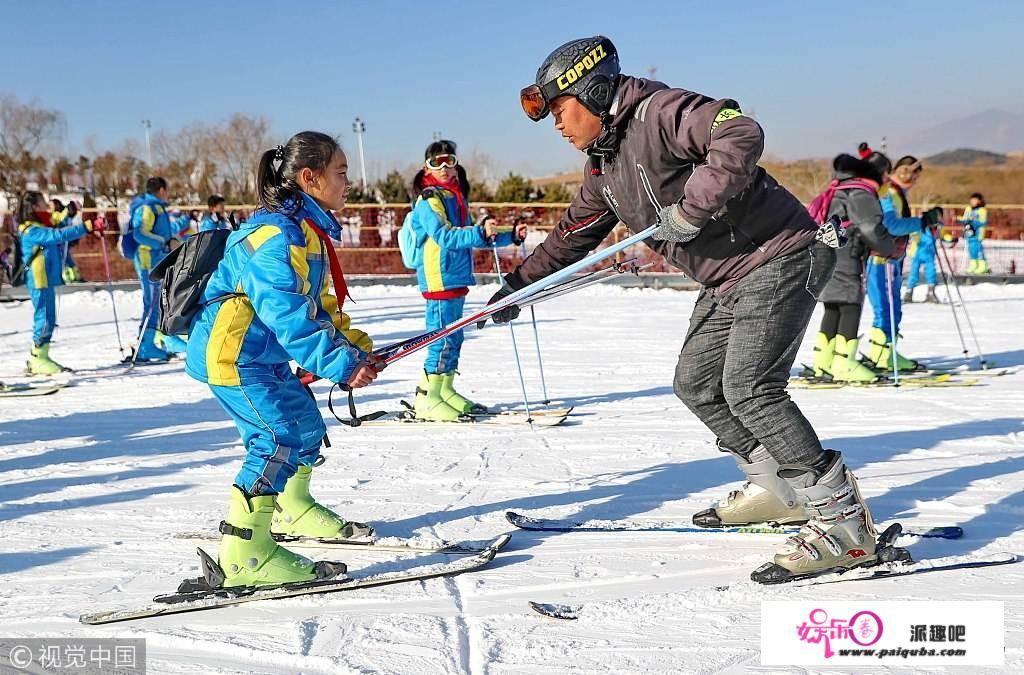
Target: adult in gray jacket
{"points": [[856, 203], [689, 162]]}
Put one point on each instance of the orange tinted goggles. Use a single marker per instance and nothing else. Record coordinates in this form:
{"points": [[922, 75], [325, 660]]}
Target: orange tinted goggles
{"points": [[534, 104]]}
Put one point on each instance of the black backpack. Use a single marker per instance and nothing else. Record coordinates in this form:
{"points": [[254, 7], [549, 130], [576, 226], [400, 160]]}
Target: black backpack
{"points": [[184, 274]]}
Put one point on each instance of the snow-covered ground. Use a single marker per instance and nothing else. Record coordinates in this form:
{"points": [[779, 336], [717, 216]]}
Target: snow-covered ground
{"points": [[96, 479]]}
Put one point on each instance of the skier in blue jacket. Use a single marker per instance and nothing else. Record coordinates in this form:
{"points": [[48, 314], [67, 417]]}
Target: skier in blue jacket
{"points": [[268, 303], [152, 232], [215, 218], [446, 236], [885, 275], [43, 262]]}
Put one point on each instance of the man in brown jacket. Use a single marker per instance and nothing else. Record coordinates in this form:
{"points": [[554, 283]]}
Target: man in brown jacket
{"points": [[689, 163]]}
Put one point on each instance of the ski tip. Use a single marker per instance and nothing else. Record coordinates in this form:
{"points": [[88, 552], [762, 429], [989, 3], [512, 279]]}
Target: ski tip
{"points": [[513, 517], [556, 611], [500, 543]]}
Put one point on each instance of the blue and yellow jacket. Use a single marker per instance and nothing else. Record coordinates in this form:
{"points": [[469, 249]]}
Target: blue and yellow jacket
{"points": [[979, 218], [287, 311], [447, 245], [896, 212], [208, 223], [40, 252], [153, 230]]}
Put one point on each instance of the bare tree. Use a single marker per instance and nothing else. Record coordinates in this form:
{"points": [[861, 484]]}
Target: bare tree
{"points": [[235, 149], [25, 129]]}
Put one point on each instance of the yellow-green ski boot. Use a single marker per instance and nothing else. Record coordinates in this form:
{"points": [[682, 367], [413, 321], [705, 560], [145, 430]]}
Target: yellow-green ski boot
{"points": [[40, 363], [250, 557], [297, 514], [457, 400], [880, 354], [846, 367], [430, 406]]}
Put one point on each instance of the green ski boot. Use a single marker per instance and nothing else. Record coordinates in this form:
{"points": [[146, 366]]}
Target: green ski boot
{"points": [[880, 354], [297, 514], [845, 365], [430, 405], [755, 502], [824, 351], [250, 557], [839, 532], [40, 363], [457, 400]]}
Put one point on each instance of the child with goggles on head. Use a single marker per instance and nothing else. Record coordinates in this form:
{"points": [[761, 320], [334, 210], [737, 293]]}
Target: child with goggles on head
{"points": [[445, 238]]}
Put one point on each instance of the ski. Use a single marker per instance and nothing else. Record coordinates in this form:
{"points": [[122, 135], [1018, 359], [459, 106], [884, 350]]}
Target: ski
{"points": [[30, 389], [556, 611], [199, 600], [386, 545], [898, 568], [538, 418], [524, 522], [882, 571], [919, 381]]}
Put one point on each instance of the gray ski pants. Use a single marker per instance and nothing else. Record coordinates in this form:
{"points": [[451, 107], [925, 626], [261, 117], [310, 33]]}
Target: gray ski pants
{"points": [[735, 363]]}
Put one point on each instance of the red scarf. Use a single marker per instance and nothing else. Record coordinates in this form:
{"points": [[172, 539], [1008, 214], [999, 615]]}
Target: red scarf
{"points": [[340, 287], [43, 218], [453, 187]]}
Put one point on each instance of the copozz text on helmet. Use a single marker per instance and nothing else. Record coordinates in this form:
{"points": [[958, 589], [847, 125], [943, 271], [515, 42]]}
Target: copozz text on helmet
{"points": [[585, 64]]}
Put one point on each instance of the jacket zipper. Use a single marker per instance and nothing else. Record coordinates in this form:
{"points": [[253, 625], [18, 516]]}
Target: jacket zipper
{"points": [[647, 187]]}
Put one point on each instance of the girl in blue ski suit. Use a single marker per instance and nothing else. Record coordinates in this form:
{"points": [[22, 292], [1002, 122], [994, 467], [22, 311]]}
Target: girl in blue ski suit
{"points": [[884, 275], [268, 303], [43, 262], [445, 238], [153, 231]]}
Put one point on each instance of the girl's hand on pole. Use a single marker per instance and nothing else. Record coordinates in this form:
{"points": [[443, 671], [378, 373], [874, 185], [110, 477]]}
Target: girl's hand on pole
{"points": [[363, 375]]}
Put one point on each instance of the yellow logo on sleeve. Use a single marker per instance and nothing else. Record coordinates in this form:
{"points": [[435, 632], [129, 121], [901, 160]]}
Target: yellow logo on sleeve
{"points": [[587, 63], [724, 115]]}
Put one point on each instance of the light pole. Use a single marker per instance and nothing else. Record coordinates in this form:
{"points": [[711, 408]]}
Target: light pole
{"points": [[359, 128], [146, 124]]}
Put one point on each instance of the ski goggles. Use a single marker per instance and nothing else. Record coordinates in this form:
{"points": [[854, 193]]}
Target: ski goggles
{"points": [[438, 162], [534, 99]]}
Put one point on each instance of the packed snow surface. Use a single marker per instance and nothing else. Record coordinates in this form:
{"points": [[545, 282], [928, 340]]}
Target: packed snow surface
{"points": [[97, 479]]}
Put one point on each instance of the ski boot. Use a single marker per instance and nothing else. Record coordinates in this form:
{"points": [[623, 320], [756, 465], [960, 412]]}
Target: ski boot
{"points": [[40, 363], [982, 267], [297, 514], [845, 365], [250, 557], [429, 403], [172, 344], [839, 534], [457, 400], [931, 297], [824, 352], [148, 349], [908, 297], [880, 354], [755, 502], [972, 266]]}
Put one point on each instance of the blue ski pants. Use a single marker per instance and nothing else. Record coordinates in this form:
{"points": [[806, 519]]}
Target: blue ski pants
{"points": [[975, 250], [443, 355], [925, 255], [280, 424], [881, 298], [150, 297], [44, 315]]}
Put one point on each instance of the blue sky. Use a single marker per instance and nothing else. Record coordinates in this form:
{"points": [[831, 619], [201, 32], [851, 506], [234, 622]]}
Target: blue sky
{"points": [[819, 77]]}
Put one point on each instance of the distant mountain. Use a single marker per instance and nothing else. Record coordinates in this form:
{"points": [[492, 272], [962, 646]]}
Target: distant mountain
{"points": [[993, 130], [962, 156]]}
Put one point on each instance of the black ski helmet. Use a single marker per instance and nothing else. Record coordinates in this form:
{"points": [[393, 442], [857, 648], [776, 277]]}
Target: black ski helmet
{"points": [[584, 68]]}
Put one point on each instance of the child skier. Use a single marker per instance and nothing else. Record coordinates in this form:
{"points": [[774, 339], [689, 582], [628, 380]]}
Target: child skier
{"points": [[215, 218], [62, 216], [885, 275], [689, 163], [270, 302], [446, 237], [974, 220], [43, 262]]}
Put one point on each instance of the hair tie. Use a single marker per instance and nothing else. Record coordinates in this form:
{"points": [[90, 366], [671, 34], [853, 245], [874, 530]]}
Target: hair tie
{"points": [[279, 153]]}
